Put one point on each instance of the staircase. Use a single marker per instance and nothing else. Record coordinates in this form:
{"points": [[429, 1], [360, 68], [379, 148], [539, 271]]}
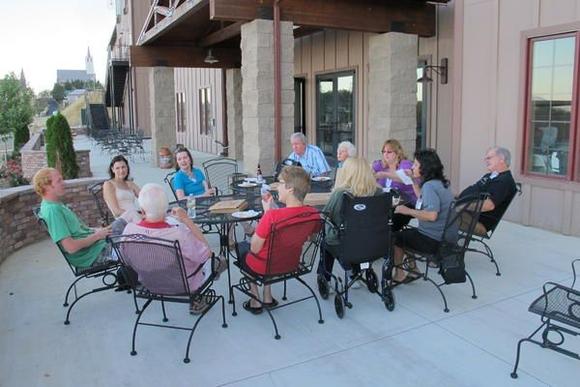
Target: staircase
{"points": [[98, 117]]}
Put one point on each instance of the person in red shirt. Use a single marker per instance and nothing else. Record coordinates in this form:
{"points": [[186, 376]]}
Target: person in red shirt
{"points": [[253, 256]]}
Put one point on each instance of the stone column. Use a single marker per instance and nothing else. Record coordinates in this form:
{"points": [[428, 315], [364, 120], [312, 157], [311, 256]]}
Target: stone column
{"points": [[392, 91], [162, 97], [234, 110], [258, 91]]}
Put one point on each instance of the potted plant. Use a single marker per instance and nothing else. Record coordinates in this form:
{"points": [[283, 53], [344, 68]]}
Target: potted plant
{"points": [[165, 158]]}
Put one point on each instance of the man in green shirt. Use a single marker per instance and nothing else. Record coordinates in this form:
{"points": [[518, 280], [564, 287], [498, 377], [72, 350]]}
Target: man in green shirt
{"points": [[82, 245]]}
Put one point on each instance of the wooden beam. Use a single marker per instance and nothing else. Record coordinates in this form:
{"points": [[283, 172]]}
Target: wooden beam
{"points": [[183, 11], [412, 17], [224, 34], [183, 56]]}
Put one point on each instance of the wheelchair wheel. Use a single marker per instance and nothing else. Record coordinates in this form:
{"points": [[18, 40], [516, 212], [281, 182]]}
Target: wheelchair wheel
{"points": [[339, 306], [388, 298], [372, 281], [322, 286]]}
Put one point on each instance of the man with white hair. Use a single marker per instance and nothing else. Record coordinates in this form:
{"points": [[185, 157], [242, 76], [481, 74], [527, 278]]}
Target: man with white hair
{"points": [[500, 185], [309, 156], [194, 247]]}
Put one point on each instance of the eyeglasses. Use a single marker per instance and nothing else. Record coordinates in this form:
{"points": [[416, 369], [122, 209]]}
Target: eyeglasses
{"points": [[388, 151]]}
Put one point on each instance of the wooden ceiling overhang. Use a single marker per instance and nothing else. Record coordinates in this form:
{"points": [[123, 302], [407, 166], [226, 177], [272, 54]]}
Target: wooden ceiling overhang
{"points": [[178, 33]]}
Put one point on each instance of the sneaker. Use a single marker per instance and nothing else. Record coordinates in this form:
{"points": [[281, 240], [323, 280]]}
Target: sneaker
{"points": [[198, 306]]}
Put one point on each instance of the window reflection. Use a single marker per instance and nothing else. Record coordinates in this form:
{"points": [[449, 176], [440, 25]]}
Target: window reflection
{"points": [[552, 74]]}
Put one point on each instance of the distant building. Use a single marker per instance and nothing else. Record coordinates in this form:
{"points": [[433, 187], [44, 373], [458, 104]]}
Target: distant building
{"points": [[88, 74], [73, 95]]}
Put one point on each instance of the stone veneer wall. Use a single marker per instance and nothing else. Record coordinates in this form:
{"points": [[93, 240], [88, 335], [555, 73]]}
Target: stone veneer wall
{"points": [[18, 226], [34, 158]]}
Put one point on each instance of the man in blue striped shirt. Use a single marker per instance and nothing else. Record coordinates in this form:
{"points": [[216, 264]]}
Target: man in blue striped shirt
{"points": [[310, 156]]}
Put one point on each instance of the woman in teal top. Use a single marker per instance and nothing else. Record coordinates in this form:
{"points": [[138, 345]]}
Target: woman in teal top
{"points": [[189, 180]]}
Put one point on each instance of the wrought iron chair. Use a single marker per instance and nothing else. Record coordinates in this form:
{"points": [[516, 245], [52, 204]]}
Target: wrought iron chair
{"points": [[161, 276], [105, 214], [169, 180], [480, 237], [559, 311], [106, 272], [450, 257], [218, 172], [288, 258], [365, 236]]}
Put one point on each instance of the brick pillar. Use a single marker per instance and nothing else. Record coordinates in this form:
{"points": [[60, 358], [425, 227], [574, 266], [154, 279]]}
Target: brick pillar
{"points": [[162, 92], [392, 91], [258, 91], [234, 109]]}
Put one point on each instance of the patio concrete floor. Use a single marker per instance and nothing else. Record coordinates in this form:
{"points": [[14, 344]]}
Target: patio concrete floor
{"points": [[415, 345]]}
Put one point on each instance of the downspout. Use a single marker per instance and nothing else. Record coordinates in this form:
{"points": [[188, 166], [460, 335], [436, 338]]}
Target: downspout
{"points": [[277, 85], [225, 138]]}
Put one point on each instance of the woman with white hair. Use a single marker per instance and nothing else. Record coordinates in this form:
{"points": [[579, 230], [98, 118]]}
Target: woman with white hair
{"points": [[345, 150]]}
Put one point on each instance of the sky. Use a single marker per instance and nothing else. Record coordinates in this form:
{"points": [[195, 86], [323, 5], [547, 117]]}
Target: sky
{"points": [[41, 36]]}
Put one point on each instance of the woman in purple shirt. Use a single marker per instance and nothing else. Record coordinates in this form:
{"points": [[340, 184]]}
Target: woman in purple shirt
{"points": [[386, 174]]}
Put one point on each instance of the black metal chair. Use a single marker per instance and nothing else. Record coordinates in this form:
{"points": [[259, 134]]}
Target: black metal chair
{"points": [[450, 257], [106, 272], [161, 276], [559, 311], [169, 180], [105, 214], [480, 236], [218, 171], [365, 236], [287, 259]]}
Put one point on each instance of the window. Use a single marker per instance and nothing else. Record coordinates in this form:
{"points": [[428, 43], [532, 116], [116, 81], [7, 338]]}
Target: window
{"points": [[180, 117], [300, 105], [206, 119], [422, 106], [552, 104]]}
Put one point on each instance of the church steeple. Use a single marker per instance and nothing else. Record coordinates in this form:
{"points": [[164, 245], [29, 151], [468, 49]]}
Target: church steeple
{"points": [[22, 78], [89, 67]]}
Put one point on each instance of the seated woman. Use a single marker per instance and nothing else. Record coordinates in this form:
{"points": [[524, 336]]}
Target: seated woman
{"points": [[355, 177], [344, 150], [189, 180], [386, 174], [119, 192], [431, 211]]}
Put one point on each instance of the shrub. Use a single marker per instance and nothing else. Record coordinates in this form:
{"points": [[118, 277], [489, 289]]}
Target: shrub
{"points": [[12, 170], [21, 136], [60, 153]]}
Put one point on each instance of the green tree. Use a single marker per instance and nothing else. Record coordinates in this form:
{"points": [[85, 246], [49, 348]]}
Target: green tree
{"points": [[58, 92], [16, 110], [21, 137], [60, 152]]}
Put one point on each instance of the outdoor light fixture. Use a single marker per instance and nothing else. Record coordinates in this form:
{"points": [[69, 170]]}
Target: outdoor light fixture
{"points": [[439, 70], [210, 58]]}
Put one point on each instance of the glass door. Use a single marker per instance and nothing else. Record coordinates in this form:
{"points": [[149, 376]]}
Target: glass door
{"points": [[335, 112]]}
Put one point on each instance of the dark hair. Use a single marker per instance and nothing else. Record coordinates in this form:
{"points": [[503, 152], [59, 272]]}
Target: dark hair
{"points": [[117, 159], [431, 166], [179, 150]]}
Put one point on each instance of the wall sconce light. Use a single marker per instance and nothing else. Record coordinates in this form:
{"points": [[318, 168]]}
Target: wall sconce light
{"points": [[210, 58], [439, 70]]}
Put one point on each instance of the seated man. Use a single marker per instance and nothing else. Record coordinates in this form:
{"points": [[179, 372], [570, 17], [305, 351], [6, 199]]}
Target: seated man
{"points": [[309, 156], [83, 247], [294, 185], [194, 247], [500, 185]]}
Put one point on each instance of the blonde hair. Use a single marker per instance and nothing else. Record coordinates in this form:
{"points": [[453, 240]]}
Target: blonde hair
{"points": [[296, 178], [356, 177], [396, 147], [41, 179]]}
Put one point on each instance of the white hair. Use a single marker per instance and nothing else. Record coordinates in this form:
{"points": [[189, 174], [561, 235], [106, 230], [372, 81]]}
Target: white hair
{"points": [[153, 200], [349, 147], [299, 136], [503, 153]]}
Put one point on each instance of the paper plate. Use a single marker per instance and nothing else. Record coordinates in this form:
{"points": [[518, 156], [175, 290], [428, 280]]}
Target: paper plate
{"points": [[247, 185], [321, 178], [245, 214]]}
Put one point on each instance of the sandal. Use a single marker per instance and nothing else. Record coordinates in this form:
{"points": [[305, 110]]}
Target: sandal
{"points": [[270, 305], [254, 310]]}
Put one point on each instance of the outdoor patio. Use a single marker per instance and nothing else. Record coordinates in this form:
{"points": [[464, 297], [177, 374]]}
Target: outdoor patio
{"points": [[415, 345]]}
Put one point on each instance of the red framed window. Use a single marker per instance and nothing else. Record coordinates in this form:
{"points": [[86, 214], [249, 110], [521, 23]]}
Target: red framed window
{"points": [[552, 107]]}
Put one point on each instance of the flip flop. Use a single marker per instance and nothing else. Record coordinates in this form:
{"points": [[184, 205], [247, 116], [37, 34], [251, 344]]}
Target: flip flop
{"points": [[272, 304], [252, 309]]}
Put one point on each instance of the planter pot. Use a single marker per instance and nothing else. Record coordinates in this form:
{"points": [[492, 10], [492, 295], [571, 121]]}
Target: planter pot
{"points": [[165, 161]]}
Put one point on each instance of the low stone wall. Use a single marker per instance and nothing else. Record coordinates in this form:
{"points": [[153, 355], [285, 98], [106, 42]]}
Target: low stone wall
{"points": [[34, 158], [18, 225]]}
